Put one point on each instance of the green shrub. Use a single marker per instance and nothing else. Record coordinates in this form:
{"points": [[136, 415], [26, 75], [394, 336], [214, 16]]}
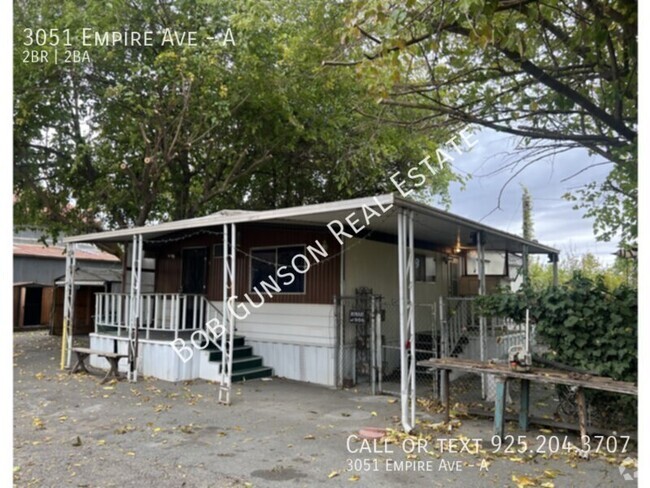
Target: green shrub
{"points": [[584, 324]]}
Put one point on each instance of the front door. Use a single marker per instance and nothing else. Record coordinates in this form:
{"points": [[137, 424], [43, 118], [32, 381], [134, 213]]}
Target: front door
{"points": [[195, 262], [194, 282]]}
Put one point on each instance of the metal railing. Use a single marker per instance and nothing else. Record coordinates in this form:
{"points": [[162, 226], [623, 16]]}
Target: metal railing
{"points": [[159, 312]]}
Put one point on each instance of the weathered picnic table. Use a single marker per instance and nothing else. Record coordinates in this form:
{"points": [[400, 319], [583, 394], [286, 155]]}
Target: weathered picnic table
{"points": [[502, 373], [83, 353]]}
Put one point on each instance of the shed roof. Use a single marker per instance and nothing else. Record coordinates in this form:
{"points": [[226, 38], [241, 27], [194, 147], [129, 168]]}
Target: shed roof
{"points": [[430, 223], [58, 252], [92, 277]]}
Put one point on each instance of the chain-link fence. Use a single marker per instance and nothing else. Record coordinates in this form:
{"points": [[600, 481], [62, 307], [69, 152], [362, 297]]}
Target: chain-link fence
{"points": [[358, 320], [427, 346]]}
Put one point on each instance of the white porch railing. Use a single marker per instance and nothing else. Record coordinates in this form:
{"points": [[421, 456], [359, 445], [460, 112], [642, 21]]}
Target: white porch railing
{"points": [[160, 312]]}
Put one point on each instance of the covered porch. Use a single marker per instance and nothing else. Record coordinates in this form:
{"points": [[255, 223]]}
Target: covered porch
{"points": [[383, 242]]}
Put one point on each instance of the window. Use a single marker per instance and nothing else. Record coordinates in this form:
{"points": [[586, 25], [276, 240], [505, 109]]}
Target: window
{"points": [[266, 262], [425, 268]]}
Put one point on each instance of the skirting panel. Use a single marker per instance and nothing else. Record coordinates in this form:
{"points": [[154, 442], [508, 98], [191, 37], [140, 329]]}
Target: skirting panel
{"points": [[157, 358], [313, 364]]}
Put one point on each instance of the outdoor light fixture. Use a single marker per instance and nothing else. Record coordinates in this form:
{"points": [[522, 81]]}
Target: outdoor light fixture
{"points": [[457, 245]]}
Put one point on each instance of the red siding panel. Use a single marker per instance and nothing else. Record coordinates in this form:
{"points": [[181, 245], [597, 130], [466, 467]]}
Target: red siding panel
{"points": [[321, 281]]}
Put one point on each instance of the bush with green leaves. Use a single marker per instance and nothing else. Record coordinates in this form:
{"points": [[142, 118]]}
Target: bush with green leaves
{"points": [[583, 322]]}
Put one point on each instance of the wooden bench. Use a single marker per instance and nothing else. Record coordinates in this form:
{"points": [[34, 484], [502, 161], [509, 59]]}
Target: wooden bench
{"points": [[502, 373], [83, 353]]}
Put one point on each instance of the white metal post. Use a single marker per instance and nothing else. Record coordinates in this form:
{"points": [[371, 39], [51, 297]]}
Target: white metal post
{"points": [[406, 268], [68, 306], [134, 306], [482, 320], [411, 308], [229, 293]]}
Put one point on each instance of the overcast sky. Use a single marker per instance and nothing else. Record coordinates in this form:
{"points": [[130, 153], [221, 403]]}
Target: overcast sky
{"points": [[556, 223]]}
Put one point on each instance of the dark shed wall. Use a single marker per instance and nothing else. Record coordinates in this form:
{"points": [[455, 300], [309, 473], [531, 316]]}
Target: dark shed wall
{"points": [[322, 280]]}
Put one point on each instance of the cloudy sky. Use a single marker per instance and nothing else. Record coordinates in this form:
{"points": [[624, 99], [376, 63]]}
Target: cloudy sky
{"points": [[556, 223]]}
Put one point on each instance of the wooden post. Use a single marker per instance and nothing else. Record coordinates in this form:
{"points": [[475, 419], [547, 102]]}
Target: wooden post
{"points": [[582, 414], [524, 403], [500, 406]]}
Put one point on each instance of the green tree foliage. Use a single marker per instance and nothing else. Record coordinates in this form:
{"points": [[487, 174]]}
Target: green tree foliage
{"points": [[151, 133], [558, 74], [622, 271]]}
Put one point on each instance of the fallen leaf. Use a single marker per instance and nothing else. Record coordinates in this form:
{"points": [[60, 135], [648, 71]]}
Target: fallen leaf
{"points": [[77, 442], [547, 484], [125, 429], [522, 481], [354, 477], [187, 429], [309, 437], [333, 474], [392, 400], [130, 453], [546, 431], [374, 414], [629, 463]]}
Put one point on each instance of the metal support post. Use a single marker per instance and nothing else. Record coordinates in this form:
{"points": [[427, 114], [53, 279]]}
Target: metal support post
{"points": [[229, 296], [68, 306], [406, 277], [379, 345], [524, 263], [554, 259], [482, 320], [134, 308], [373, 347]]}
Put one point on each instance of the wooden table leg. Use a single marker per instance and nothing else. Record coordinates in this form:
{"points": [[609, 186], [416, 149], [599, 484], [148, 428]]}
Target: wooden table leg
{"points": [[524, 404], [500, 406], [445, 392], [113, 372], [582, 414], [81, 363]]}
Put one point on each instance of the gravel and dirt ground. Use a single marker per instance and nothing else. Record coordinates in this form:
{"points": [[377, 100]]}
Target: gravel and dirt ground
{"points": [[70, 431]]}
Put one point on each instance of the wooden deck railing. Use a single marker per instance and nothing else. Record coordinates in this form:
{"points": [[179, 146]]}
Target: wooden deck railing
{"points": [[161, 312]]}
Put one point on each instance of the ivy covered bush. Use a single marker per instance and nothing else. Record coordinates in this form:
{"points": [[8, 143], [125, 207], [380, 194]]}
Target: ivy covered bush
{"points": [[584, 324]]}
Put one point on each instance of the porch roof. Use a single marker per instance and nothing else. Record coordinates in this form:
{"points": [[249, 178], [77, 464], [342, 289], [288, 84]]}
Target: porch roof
{"points": [[430, 224]]}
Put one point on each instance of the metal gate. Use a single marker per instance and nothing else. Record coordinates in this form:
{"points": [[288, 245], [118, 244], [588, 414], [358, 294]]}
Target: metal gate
{"points": [[358, 320], [427, 346]]}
